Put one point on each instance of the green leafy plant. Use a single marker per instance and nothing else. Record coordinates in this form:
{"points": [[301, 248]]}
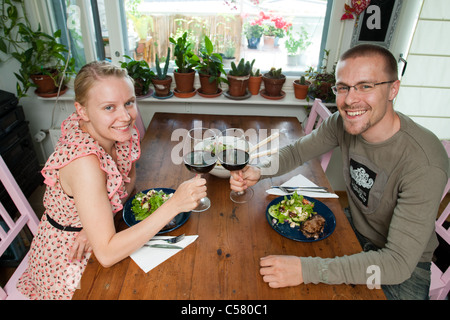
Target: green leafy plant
{"points": [[297, 43], [253, 30], [210, 63], [229, 50], [141, 74], [185, 59], [242, 69], [322, 81], [37, 52], [161, 74]]}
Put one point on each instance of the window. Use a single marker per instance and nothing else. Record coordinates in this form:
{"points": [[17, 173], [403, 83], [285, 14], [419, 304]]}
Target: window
{"points": [[290, 34]]}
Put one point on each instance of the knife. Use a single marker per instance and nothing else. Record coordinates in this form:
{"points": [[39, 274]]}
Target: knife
{"points": [[305, 187], [163, 246]]}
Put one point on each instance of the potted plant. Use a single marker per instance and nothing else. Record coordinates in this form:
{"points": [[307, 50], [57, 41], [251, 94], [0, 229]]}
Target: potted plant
{"points": [[44, 62], [254, 82], [274, 29], [301, 88], [322, 81], [186, 61], [253, 32], [238, 78], [228, 54], [162, 81], [273, 82], [141, 74], [296, 45], [209, 69]]}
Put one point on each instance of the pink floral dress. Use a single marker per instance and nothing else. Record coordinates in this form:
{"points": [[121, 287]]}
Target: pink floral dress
{"points": [[50, 275]]}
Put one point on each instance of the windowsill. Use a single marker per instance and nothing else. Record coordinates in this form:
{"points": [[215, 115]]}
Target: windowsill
{"points": [[288, 100]]}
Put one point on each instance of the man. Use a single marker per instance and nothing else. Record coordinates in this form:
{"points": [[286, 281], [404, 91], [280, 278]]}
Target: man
{"points": [[395, 173]]}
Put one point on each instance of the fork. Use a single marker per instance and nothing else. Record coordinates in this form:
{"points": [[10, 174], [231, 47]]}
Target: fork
{"points": [[291, 190], [171, 240]]}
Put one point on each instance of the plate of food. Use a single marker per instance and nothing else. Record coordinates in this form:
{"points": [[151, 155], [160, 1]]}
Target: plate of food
{"points": [[144, 203], [300, 218]]}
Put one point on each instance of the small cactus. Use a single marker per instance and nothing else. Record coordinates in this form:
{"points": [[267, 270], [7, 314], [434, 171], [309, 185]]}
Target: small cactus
{"points": [[161, 74], [275, 73], [302, 80], [257, 73], [242, 69]]}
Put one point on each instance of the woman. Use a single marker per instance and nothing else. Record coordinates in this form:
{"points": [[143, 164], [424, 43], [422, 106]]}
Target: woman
{"points": [[88, 177]]}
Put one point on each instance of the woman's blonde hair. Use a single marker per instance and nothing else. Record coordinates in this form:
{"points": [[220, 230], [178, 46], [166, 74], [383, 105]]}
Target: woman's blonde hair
{"points": [[92, 72]]}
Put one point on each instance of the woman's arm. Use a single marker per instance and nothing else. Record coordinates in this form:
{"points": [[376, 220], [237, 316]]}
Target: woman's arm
{"points": [[84, 179]]}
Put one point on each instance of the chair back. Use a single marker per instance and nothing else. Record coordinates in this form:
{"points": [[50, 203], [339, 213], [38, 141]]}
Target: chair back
{"points": [[440, 280], [319, 112], [140, 124], [12, 226]]}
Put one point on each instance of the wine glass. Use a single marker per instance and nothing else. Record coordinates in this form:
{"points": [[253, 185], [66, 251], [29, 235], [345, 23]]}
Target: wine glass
{"points": [[199, 156], [234, 156]]}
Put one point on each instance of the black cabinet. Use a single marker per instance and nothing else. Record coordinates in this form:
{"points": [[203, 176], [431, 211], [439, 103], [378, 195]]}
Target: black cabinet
{"points": [[16, 149]]}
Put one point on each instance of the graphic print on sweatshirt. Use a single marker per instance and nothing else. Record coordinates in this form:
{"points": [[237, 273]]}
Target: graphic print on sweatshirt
{"points": [[362, 180]]}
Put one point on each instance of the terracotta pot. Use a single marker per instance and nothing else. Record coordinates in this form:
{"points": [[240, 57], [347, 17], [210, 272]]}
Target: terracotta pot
{"points": [[162, 87], [184, 81], [45, 83], [206, 86], [269, 41], [237, 86], [139, 89], [273, 86], [254, 84], [300, 90]]}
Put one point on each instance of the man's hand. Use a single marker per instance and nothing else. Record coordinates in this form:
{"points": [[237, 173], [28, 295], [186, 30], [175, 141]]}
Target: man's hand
{"points": [[281, 271]]}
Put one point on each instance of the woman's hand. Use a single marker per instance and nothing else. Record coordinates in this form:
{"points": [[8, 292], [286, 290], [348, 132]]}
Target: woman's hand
{"points": [[189, 194], [79, 247], [242, 179], [281, 271]]}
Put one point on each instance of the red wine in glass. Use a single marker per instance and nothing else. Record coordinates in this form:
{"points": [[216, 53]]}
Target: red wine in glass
{"points": [[200, 161], [199, 156], [234, 157]]}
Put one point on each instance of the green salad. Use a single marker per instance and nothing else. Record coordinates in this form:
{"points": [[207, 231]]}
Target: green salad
{"points": [[294, 210], [144, 204]]}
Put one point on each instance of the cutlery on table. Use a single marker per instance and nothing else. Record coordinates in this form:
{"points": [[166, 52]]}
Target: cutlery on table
{"points": [[162, 246], [309, 189], [170, 240]]}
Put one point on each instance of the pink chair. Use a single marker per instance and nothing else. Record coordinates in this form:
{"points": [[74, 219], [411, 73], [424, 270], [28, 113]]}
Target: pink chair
{"points": [[319, 112], [140, 124], [27, 217], [440, 281]]}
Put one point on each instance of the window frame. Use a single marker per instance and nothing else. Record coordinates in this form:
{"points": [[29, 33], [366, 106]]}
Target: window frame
{"points": [[115, 11]]}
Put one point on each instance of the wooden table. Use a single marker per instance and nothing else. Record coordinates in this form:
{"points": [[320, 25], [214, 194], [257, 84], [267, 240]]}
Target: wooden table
{"points": [[223, 263]]}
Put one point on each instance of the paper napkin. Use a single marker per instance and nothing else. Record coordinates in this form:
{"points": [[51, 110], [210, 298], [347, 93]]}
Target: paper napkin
{"points": [[147, 258], [301, 181]]}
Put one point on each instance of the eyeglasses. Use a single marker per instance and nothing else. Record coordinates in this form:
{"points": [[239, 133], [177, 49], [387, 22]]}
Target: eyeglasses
{"points": [[364, 87]]}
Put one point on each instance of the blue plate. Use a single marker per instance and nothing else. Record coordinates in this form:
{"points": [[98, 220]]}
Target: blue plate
{"points": [[294, 233], [178, 221]]}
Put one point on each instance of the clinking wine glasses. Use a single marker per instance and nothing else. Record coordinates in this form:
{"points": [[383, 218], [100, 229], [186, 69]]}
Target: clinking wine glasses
{"points": [[199, 156], [234, 156]]}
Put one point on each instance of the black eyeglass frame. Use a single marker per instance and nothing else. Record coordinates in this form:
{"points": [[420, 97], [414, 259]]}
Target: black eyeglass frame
{"points": [[334, 88]]}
